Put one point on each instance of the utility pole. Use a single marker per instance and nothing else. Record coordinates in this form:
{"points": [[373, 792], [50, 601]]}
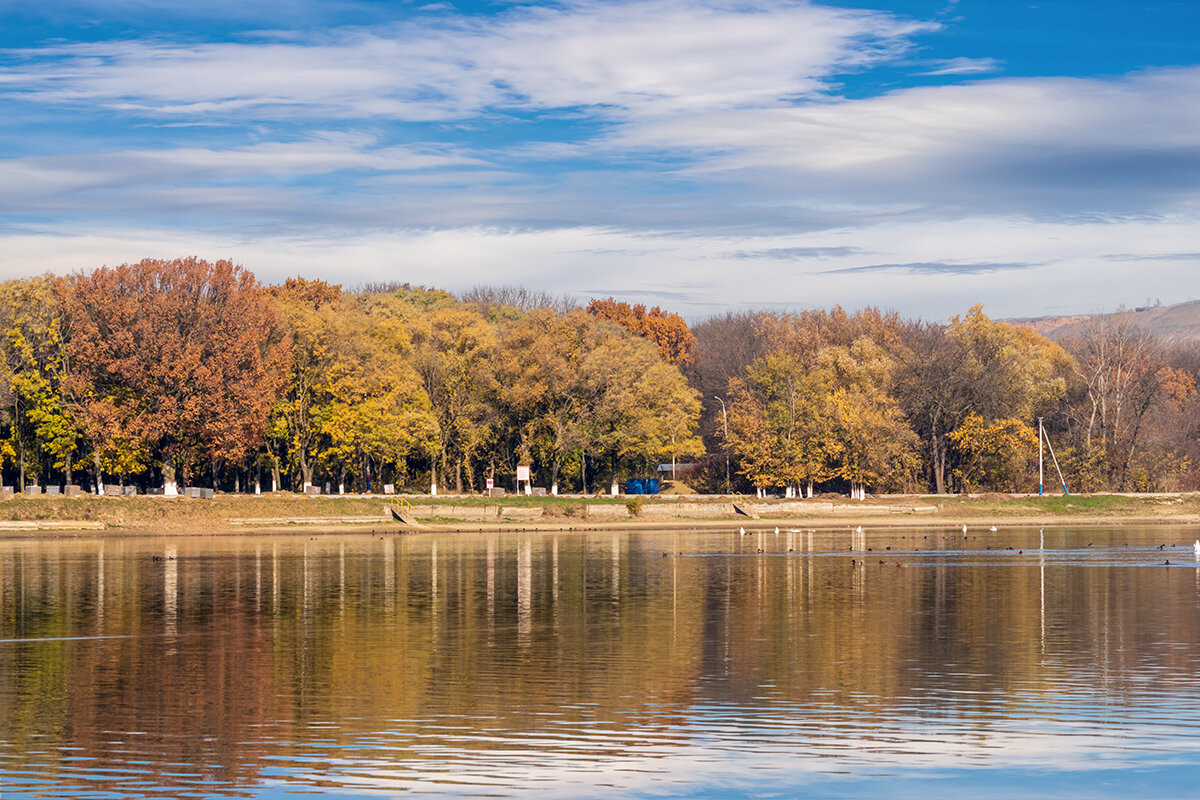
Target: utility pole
{"points": [[1041, 486], [725, 422]]}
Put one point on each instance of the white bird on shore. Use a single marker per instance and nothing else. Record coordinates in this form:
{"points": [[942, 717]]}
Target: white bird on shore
{"points": [[964, 528], [742, 531], [858, 529], [776, 530], [992, 529], [1196, 547]]}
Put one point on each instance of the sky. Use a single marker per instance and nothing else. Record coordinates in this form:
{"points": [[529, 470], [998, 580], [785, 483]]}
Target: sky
{"points": [[702, 155]]}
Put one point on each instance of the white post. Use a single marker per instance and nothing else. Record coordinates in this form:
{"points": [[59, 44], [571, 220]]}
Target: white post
{"points": [[170, 487], [1041, 481]]}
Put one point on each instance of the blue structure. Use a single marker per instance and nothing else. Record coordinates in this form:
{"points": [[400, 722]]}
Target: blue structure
{"points": [[641, 486]]}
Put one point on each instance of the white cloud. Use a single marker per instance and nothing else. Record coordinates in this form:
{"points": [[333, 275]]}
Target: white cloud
{"points": [[1060, 145], [634, 147], [647, 57], [51, 182], [963, 66], [1073, 268]]}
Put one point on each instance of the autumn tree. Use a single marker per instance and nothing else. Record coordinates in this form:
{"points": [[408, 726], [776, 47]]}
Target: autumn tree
{"points": [[974, 365], [454, 353], [779, 424], [675, 341], [33, 367], [352, 403], [180, 357], [641, 407], [870, 442], [993, 454], [573, 385], [1121, 374]]}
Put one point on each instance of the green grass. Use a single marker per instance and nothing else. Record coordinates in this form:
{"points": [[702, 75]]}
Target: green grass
{"points": [[1069, 503]]}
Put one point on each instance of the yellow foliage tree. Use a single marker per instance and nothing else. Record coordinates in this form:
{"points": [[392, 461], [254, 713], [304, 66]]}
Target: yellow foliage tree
{"points": [[995, 454]]}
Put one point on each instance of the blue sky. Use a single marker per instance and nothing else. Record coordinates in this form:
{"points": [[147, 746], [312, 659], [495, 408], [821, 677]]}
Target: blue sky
{"points": [[921, 155]]}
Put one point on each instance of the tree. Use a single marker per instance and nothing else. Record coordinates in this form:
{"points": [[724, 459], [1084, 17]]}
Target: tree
{"points": [[352, 402], [1120, 369], [779, 423], [675, 342], [572, 384], [641, 407], [454, 352], [870, 441], [33, 368], [977, 366], [180, 356], [995, 454]]}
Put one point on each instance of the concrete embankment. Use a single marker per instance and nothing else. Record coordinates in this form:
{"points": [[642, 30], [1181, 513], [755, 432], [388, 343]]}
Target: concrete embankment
{"points": [[246, 514]]}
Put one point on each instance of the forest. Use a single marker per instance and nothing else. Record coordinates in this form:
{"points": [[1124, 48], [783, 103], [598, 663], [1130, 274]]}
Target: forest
{"points": [[163, 374]]}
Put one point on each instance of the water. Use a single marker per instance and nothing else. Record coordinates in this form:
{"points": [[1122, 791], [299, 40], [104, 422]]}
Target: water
{"points": [[603, 665]]}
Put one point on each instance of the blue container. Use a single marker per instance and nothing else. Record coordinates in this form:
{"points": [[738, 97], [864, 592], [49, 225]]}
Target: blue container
{"points": [[641, 486]]}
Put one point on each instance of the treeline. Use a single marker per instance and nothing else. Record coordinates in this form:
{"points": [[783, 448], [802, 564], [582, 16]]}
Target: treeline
{"points": [[871, 399], [187, 371], [160, 373]]}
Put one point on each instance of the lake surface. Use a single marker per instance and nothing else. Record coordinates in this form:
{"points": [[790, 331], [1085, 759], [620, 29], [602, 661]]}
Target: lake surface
{"points": [[604, 665]]}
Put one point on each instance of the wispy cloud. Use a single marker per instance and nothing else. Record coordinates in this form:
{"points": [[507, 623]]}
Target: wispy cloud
{"points": [[653, 57], [963, 66], [932, 268], [794, 253], [706, 149]]}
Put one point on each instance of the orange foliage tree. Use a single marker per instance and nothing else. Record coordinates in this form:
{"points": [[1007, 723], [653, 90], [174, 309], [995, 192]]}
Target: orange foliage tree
{"points": [[675, 341], [179, 359]]}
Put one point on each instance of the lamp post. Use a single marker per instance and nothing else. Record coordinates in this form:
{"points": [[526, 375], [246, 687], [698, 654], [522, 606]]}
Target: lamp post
{"points": [[725, 423]]}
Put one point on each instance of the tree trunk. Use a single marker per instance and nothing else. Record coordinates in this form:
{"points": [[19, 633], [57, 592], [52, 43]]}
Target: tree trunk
{"points": [[433, 477], [613, 490], [458, 472], [583, 472], [939, 463]]}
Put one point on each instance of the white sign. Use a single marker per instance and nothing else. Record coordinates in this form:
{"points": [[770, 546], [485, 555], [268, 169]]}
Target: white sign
{"points": [[523, 472], [491, 484]]}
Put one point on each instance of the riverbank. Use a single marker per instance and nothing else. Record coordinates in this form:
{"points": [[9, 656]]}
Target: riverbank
{"points": [[232, 514]]}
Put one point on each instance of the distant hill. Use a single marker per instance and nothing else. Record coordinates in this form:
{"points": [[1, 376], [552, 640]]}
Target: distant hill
{"points": [[1175, 323]]}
